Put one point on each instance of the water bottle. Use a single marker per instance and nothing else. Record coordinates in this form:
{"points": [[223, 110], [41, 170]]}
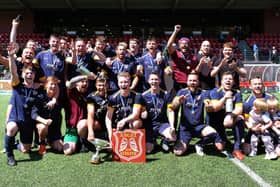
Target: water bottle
{"points": [[83, 70], [229, 105], [19, 18]]}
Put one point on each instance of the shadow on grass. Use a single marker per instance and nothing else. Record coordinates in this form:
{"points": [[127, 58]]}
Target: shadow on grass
{"points": [[107, 157], [151, 159], [33, 156], [208, 149], [212, 151], [51, 150]]}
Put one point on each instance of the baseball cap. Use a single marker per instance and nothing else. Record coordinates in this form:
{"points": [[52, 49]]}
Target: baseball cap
{"points": [[184, 39]]}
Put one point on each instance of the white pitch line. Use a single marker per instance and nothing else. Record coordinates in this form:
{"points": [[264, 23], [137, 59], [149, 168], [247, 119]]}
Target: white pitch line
{"points": [[250, 173]]}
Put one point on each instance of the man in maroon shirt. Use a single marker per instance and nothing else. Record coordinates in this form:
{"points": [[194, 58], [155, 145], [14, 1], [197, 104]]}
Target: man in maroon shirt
{"points": [[76, 118], [183, 62]]}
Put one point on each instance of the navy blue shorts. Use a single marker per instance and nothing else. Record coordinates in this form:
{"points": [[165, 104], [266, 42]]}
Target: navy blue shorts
{"points": [[26, 129], [154, 130], [54, 131], [187, 133]]}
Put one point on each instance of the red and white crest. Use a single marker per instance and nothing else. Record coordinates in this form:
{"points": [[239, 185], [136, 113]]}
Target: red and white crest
{"points": [[129, 145]]}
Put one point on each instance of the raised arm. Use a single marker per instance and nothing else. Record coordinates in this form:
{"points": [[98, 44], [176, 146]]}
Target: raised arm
{"points": [[13, 33], [134, 82], [72, 59], [74, 80], [12, 65], [172, 38]]}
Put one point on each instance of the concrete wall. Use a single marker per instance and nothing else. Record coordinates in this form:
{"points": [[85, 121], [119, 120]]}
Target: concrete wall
{"points": [[6, 17], [271, 21]]}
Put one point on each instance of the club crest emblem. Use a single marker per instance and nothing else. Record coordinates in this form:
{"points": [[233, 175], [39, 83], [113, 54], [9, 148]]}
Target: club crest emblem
{"points": [[129, 145]]}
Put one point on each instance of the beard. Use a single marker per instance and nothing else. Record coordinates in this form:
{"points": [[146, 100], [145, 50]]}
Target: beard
{"points": [[51, 92], [83, 89]]}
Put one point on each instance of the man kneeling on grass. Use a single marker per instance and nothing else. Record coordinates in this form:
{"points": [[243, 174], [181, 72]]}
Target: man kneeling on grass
{"points": [[124, 107], [227, 112], [24, 94], [48, 118], [76, 114], [192, 124], [155, 102]]}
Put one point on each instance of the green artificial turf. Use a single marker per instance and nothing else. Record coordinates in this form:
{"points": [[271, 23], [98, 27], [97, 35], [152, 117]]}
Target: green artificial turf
{"points": [[161, 169]]}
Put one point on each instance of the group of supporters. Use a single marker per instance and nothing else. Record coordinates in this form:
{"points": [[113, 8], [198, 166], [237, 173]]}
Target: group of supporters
{"points": [[101, 90]]}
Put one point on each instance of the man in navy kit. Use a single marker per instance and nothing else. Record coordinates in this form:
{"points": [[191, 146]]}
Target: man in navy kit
{"points": [[221, 119], [256, 86], [192, 100], [134, 47], [150, 61], [24, 95], [82, 58], [121, 105], [97, 103], [122, 63], [52, 63], [49, 119], [156, 121]]}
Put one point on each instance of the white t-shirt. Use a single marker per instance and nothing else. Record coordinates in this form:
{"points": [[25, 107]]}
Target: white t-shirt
{"points": [[255, 119]]}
